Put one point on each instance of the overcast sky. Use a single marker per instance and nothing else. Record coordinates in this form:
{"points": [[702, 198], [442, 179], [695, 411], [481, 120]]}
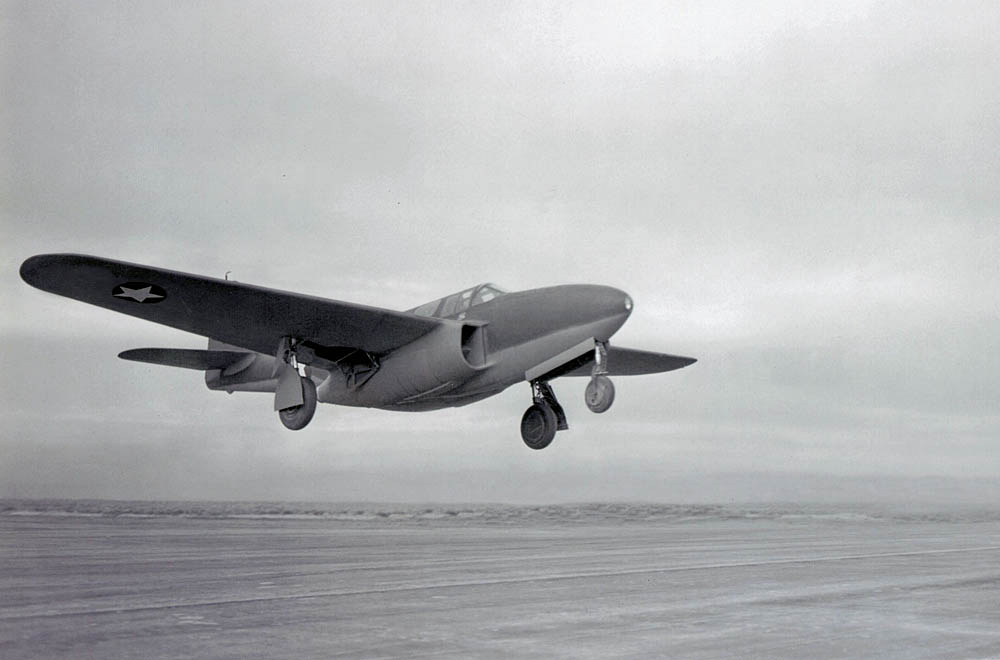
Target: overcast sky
{"points": [[805, 198]]}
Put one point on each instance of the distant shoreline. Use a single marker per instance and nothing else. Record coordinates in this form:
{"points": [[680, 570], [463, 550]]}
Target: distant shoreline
{"points": [[582, 513]]}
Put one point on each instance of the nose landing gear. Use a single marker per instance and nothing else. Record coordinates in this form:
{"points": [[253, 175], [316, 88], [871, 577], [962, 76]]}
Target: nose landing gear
{"points": [[600, 393]]}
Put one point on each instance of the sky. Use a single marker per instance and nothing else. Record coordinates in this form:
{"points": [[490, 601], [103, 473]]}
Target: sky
{"points": [[806, 199]]}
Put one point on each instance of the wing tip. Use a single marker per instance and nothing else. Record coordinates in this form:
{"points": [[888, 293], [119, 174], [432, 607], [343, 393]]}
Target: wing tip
{"points": [[35, 269], [31, 267]]}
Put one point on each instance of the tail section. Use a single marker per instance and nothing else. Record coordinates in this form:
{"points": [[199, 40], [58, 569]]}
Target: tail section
{"points": [[226, 367], [190, 358], [253, 372]]}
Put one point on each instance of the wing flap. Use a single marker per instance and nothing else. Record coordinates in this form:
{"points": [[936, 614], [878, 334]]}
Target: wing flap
{"points": [[243, 315]]}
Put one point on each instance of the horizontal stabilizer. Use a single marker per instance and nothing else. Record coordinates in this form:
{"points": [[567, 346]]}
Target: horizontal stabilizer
{"points": [[633, 362], [188, 358]]}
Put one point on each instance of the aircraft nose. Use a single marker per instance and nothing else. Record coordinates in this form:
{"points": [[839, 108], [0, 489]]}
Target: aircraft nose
{"points": [[609, 301], [608, 305], [597, 310]]}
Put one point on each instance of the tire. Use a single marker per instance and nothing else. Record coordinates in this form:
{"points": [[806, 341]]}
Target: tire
{"points": [[538, 426], [600, 394], [297, 417]]}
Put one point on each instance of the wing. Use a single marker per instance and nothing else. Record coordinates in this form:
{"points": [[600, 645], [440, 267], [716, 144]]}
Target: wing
{"points": [[630, 362], [242, 315]]}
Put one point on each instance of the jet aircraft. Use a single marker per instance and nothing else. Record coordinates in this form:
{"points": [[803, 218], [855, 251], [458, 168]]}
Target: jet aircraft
{"points": [[303, 349]]}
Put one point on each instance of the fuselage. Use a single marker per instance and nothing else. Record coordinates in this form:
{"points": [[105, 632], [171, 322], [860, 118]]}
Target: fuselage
{"points": [[518, 331]]}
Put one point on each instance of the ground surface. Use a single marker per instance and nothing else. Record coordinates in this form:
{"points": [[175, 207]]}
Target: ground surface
{"points": [[447, 585]]}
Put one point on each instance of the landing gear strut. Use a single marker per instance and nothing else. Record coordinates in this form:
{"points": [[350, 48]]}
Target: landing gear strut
{"points": [[546, 416], [600, 393]]}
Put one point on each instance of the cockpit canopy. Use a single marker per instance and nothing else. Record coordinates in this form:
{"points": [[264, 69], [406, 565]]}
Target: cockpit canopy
{"points": [[457, 304]]}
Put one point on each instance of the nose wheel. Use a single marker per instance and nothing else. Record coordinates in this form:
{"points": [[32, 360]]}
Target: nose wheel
{"points": [[600, 393]]}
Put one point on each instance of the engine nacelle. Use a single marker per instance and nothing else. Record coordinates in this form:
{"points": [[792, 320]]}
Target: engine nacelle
{"points": [[433, 364]]}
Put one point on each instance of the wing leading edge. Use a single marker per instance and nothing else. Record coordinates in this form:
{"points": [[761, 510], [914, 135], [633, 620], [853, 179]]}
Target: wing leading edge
{"points": [[243, 315]]}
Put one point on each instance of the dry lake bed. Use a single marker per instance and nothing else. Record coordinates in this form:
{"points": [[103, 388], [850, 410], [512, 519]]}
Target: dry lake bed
{"points": [[180, 580]]}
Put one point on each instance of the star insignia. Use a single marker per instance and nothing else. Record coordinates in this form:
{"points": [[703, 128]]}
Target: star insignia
{"points": [[139, 292]]}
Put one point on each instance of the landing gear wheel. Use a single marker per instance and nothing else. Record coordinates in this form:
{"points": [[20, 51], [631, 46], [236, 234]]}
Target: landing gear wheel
{"points": [[600, 394], [297, 417], [538, 426]]}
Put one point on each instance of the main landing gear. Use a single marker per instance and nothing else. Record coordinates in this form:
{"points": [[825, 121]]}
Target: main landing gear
{"points": [[541, 421], [296, 417], [545, 416], [295, 393]]}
